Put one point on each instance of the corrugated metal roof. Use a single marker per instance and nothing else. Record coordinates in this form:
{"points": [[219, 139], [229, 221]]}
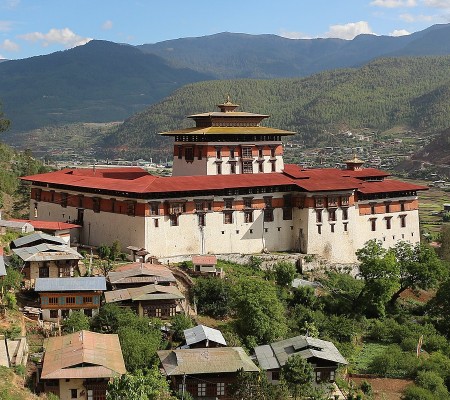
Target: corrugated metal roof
{"points": [[70, 284], [276, 354], [38, 237], [15, 224], [228, 130], [2, 264], [47, 252], [201, 332], [205, 361], [142, 272], [48, 225], [64, 355], [148, 292]]}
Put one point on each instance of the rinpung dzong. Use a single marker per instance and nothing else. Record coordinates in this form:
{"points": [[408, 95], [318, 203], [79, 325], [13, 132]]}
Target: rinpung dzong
{"points": [[231, 193]]}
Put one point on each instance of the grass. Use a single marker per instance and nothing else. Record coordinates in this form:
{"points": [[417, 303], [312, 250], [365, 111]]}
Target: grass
{"points": [[365, 356]]}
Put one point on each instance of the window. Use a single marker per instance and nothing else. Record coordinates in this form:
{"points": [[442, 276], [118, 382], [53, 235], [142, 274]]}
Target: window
{"points": [[64, 200], [247, 167], [332, 377], [131, 208], [260, 152], [219, 169], [345, 227], [52, 196], [318, 376], [201, 389], [156, 223], [332, 228], [232, 153], [344, 200], [96, 204], [232, 168], [272, 152], [228, 203], [287, 200], [65, 272], [189, 154], [318, 202], [35, 210], [345, 213], [43, 272], [248, 216], [73, 393], [248, 202], [332, 201], [201, 219], [173, 219], [198, 205], [177, 208], [246, 152], [228, 217], [268, 214], [260, 167], [180, 152], [38, 194], [199, 152], [70, 300], [87, 299], [273, 166], [53, 300], [387, 206], [332, 215], [373, 224], [218, 153], [287, 213], [372, 208], [402, 206], [275, 375], [388, 222], [220, 389], [403, 221], [268, 201], [319, 216], [154, 208], [87, 312], [80, 200], [53, 313]]}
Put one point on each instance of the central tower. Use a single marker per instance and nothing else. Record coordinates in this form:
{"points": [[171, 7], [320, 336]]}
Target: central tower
{"points": [[227, 142]]}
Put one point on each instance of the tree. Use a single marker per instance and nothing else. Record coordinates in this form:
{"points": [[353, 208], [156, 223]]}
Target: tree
{"points": [[255, 386], [439, 307], [298, 375], [180, 322], [380, 271], [444, 238], [4, 123], [285, 273], [259, 312], [147, 385], [77, 321], [114, 250], [212, 296], [11, 281]]}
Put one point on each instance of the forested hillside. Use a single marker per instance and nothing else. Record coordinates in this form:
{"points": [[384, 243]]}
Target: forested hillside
{"points": [[237, 55], [409, 91], [98, 82]]}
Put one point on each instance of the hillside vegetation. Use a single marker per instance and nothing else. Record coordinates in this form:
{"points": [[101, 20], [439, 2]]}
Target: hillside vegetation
{"points": [[412, 92]]}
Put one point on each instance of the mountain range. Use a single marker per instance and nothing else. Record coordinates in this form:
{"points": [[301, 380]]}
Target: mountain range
{"points": [[104, 81]]}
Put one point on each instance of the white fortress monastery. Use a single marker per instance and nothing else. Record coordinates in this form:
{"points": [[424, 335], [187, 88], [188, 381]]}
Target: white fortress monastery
{"points": [[231, 193]]}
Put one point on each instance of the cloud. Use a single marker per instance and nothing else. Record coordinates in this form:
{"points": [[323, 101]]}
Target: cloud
{"points": [[349, 31], [417, 18], [400, 32], [107, 25], [394, 3], [10, 3], [294, 35], [9, 45], [56, 36], [5, 26], [437, 3]]}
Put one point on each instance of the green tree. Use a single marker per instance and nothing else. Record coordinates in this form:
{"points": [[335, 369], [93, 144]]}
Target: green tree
{"points": [[259, 312], [285, 273], [254, 386], [114, 250], [212, 296], [298, 375], [4, 123], [380, 271], [147, 385], [12, 280], [77, 321], [433, 382], [180, 322], [444, 238], [439, 308]]}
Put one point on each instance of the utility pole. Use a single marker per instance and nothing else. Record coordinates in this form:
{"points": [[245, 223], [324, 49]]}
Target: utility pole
{"points": [[184, 386]]}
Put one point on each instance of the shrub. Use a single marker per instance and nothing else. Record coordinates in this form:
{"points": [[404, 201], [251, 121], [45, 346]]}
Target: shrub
{"points": [[285, 273], [417, 393], [180, 322], [433, 382]]}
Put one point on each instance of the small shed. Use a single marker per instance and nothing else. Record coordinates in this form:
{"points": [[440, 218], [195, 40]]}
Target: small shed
{"points": [[446, 207], [202, 336], [15, 226], [205, 264]]}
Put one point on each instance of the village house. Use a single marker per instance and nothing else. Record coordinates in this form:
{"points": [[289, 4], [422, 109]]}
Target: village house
{"points": [[140, 274], [205, 264], [15, 226], [321, 354], [48, 261], [35, 239], [232, 193], [79, 365], [205, 372], [202, 336], [58, 297], [152, 300]]}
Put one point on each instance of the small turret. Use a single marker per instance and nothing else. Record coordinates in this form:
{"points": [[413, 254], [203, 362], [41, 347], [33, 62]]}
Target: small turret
{"points": [[354, 164]]}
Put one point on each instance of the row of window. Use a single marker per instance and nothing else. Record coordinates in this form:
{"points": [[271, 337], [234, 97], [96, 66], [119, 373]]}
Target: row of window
{"points": [[388, 222], [201, 388], [54, 313], [332, 227], [331, 201], [63, 272], [70, 300], [228, 138], [247, 167], [387, 207], [190, 152], [331, 215]]}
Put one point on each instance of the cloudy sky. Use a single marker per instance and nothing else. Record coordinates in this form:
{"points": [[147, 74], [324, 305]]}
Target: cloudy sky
{"points": [[35, 27]]}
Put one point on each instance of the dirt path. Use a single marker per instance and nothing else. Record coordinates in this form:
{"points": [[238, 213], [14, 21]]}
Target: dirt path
{"points": [[385, 388]]}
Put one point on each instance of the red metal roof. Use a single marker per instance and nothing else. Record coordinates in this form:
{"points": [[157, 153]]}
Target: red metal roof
{"points": [[137, 180], [204, 260], [48, 225]]}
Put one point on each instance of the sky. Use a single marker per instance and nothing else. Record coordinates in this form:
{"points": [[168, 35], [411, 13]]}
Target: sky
{"points": [[37, 27]]}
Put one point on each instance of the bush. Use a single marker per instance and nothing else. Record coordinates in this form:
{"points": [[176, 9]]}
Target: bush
{"points": [[180, 322], [417, 393], [285, 273], [366, 388], [10, 300], [212, 296], [433, 382]]}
